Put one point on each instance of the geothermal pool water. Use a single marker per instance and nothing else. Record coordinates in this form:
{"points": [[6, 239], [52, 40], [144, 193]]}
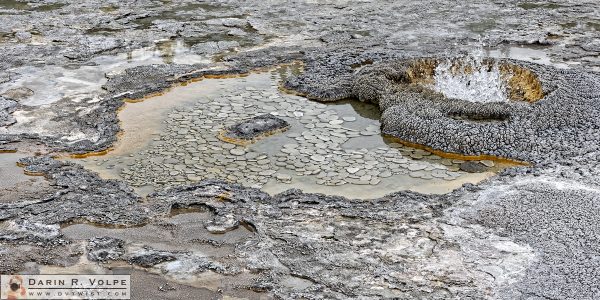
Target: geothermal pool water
{"points": [[472, 80], [10, 173], [334, 149], [475, 80]]}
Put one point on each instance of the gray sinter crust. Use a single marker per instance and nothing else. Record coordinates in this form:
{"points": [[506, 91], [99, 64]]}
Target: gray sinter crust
{"points": [[255, 128], [302, 235]]}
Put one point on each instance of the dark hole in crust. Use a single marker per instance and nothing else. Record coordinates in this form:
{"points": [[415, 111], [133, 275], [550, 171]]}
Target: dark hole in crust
{"points": [[479, 117]]}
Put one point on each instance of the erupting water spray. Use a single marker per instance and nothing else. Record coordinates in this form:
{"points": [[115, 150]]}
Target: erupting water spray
{"points": [[471, 78]]}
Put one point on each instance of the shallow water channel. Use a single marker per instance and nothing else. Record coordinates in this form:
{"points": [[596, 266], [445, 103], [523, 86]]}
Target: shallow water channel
{"points": [[51, 83], [334, 149]]}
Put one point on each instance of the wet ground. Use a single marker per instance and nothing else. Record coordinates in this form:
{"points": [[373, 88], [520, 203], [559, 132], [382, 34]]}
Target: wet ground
{"points": [[83, 83], [181, 233], [11, 174], [14, 182]]}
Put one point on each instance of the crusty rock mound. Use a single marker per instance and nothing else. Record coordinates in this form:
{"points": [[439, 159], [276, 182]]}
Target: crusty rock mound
{"points": [[556, 106], [253, 129]]}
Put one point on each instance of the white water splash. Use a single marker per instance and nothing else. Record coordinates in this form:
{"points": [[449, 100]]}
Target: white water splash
{"points": [[471, 80]]}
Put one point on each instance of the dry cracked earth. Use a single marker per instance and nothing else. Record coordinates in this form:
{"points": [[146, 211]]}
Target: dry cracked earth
{"points": [[299, 149]]}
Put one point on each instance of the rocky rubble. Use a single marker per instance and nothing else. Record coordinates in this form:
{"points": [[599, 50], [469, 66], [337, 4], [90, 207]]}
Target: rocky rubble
{"points": [[78, 195], [297, 236]]}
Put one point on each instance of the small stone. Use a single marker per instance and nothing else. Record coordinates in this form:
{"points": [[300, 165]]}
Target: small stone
{"points": [[488, 163], [454, 168], [352, 170], [473, 167], [426, 175], [416, 167], [416, 155], [439, 173], [283, 177], [251, 155], [365, 178], [228, 146], [237, 151], [416, 174], [385, 174], [446, 162], [317, 157], [267, 172], [263, 161]]}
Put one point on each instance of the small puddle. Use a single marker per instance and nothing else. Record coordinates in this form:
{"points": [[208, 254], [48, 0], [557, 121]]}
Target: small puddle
{"points": [[10, 173], [186, 282], [150, 284], [335, 149], [183, 232], [526, 53], [25, 6], [183, 235], [13, 181]]}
